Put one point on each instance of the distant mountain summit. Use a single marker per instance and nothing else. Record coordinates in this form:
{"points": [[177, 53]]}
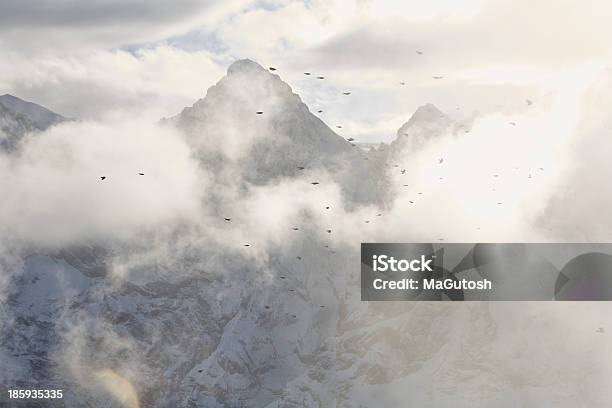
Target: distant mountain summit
{"points": [[40, 116], [425, 124], [19, 117], [253, 121]]}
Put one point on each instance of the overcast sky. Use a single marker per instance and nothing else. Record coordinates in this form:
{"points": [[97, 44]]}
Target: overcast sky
{"points": [[99, 58]]}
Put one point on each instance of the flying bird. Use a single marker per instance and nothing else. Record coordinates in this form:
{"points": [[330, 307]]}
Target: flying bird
{"points": [[327, 207], [378, 215], [600, 330], [339, 126], [346, 93], [403, 171], [259, 112], [247, 245], [419, 52], [367, 221], [437, 77], [329, 231], [272, 69], [528, 102], [319, 111], [295, 228], [314, 183], [440, 160], [141, 174], [306, 73], [350, 139], [402, 83], [227, 219], [411, 202], [320, 77], [300, 168], [512, 123], [299, 258], [103, 178], [283, 277]]}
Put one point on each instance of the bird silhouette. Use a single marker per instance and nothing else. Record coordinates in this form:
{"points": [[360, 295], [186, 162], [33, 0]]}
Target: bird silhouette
{"points": [[419, 52], [441, 160], [300, 168], [295, 228], [320, 77], [227, 219], [329, 231], [141, 174], [528, 102], [259, 112], [346, 93], [512, 123], [403, 171], [103, 178], [402, 83], [350, 139], [437, 77], [327, 207], [247, 245], [339, 126], [314, 183], [299, 258], [272, 69], [319, 111], [306, 73]]}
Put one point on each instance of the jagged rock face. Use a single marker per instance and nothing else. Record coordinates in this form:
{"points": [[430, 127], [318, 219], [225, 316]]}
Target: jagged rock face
{"points": [[18, 117], [426, 124], [13, 127], [217, 330], [234, 142], [40, 116]]}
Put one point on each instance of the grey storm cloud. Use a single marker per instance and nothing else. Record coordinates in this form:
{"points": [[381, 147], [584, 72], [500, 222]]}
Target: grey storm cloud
{"points": [[74, 13]]}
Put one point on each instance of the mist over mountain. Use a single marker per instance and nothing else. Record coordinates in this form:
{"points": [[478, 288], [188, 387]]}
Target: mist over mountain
{"points": [[237, 144], [239, 284], [19, 117]]}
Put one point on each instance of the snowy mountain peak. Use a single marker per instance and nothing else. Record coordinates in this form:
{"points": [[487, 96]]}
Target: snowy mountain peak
{"points": [[425, 114], [245, 66], [40, 116], [425, 124], [252, 122]]}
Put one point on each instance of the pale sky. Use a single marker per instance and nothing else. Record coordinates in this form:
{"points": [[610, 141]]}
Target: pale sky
{"points": [[101, 58]]}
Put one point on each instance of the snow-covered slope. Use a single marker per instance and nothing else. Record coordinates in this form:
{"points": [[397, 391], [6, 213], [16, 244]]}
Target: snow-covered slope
{"points": [[217, 326], [18, 117], [40, 116], [228, 133]]}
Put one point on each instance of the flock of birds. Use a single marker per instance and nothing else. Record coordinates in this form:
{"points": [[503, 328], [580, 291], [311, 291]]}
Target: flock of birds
{"points": [[350, 140]]}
